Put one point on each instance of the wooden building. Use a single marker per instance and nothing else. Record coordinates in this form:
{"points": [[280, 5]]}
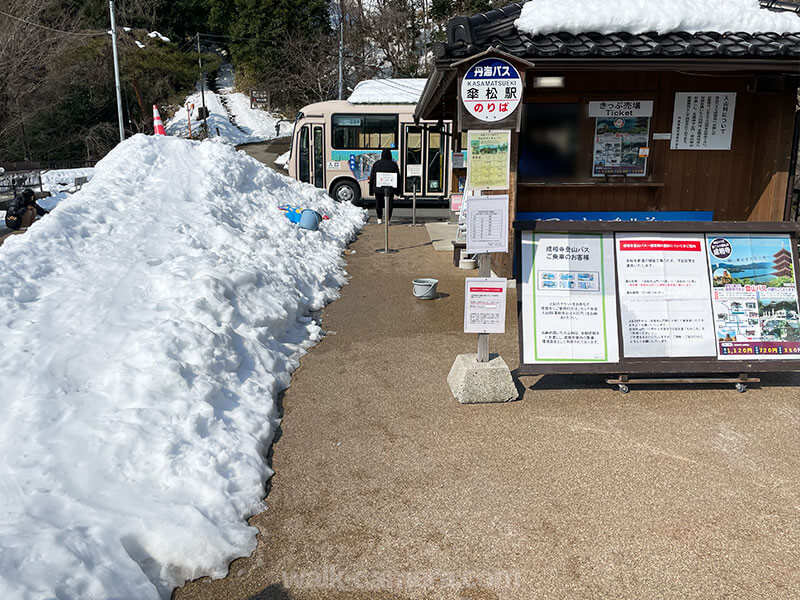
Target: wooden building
{"points": [[565, 73]]}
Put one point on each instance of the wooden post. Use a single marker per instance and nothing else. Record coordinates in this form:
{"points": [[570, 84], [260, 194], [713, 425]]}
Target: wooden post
{"points": [[484, 270]]}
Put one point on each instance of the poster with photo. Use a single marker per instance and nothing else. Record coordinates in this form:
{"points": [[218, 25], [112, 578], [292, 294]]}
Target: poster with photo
{"points": [[754, 293], [664, 295], [621, 146], [568, 298]]}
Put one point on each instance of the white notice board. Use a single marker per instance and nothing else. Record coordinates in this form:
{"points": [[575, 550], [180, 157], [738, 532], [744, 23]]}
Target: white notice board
{"points": [[703, 121], [487, 224], [383, 180], [484, 305], [664, 295], [569, 310]]}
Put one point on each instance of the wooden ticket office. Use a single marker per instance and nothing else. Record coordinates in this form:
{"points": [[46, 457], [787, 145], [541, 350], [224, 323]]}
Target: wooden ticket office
{"points": [[564, 73]]}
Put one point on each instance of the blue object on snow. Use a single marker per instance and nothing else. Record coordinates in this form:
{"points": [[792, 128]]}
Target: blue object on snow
{"points": [[310, 219]]}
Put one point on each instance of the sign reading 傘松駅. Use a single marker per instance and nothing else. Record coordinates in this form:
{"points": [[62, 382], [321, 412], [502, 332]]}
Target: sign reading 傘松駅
{"points": [[491, 90]]}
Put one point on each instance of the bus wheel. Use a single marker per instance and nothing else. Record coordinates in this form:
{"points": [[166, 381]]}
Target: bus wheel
{"points": [[346, 191]]}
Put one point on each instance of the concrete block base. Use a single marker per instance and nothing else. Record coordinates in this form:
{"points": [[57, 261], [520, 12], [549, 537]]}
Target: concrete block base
{"points": [[473, 382]]}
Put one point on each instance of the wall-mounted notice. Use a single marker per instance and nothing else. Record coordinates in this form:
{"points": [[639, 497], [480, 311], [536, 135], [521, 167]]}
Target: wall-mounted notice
{"points": [[484, 305], [488, 160], [621, 140], [755, 296], [703, 121], [664, 295], [487, 224], [569, 310]]}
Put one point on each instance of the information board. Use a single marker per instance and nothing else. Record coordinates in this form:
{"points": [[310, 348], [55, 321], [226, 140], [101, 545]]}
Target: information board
{"points": [[703, 121], [755, 296], [485, 305], [568, 309], [664, 295], [488, 162], [487, 224], [685, 297]]}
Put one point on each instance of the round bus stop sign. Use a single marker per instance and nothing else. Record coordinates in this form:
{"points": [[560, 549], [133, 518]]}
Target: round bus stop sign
{"points": [[491, 89]]}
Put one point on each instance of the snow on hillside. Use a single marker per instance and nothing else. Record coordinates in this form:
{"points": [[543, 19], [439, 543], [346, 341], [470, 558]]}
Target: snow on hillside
{"points": [[148, 324], [230, 112], [641, 16]]}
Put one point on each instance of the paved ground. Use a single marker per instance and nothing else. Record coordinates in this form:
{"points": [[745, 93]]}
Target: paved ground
{"points": [[267, 152], [385, 487]]}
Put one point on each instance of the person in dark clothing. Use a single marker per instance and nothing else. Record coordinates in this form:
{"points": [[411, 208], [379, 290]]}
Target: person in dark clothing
{"points": [[384, 165], [22, 211]]}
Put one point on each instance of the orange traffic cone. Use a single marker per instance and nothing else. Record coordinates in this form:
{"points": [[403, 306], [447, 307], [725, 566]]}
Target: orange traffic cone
{"points": [[158, 126]]}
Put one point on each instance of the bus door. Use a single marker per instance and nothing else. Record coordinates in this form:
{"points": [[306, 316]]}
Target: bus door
{"points": [[425, 161], [311, 155]]}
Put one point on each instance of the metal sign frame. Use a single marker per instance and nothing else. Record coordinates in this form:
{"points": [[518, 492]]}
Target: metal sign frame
{"points": [[660, 365]]}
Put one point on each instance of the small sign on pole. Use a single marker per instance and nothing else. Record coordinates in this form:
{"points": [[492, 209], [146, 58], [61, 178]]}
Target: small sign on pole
{"points": [[385, 180], [485, 305]]}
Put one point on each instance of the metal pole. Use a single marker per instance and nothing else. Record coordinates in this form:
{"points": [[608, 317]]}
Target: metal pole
{"points": [[116, 70], [341, 50], [386, 249], [414, 205], [484, 270], [202, 86]]}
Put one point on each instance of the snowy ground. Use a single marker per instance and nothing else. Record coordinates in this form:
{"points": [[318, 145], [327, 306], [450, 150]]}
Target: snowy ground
{"points": [[148, 324], [641, 16], [63, 180], [230, 114]]}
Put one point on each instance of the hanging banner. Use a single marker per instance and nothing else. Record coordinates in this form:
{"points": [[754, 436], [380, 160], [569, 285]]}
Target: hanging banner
{"points": [[485, 305], [664, 295], [487, 224], [703, 121], [569, 312], [491, 90], [754, 296], [489, 159]]}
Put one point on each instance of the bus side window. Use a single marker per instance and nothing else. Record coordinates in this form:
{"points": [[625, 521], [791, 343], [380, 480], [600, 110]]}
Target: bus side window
{"points": [[303, 157]]}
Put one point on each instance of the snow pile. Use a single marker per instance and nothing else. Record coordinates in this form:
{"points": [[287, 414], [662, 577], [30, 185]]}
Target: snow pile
{"points": [[642, 16], [283, 159], [388, 91], [146, 327], [63, 180]]}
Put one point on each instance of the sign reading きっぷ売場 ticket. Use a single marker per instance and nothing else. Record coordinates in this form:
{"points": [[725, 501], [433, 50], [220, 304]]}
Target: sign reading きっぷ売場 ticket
{"points": [[755, 301], [568, 298], [664, 295]]}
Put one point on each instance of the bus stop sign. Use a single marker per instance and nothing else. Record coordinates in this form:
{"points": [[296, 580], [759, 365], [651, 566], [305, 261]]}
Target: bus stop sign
{"points": [[491, 90]]}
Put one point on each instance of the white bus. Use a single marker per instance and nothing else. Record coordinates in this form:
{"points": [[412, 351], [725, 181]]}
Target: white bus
{"points": [[335, 143]]}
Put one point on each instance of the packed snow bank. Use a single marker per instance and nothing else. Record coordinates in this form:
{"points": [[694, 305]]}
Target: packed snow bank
{"points": [[641, 16], [63, 180], [388, 91], [146, 326]]}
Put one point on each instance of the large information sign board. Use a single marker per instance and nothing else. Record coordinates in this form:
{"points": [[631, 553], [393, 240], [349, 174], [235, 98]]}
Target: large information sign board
{"points": [[657, 297], [568, 291]]}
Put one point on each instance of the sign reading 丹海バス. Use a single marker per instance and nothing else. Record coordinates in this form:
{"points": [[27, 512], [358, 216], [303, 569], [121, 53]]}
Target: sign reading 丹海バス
{"points": [[703, 121], [485, 305], [491, 90], [664, 295], [568, 310]]}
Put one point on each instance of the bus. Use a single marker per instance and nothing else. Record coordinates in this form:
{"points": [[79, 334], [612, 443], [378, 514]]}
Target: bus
{"points": [[335, 143]]}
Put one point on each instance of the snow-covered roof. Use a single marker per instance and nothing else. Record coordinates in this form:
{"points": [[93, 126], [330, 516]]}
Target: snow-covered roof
{"points": [[640, 16], [387, 91]]}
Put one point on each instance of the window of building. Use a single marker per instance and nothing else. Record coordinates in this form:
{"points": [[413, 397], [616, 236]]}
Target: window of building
{"points": [[549, 148], [364, 132]]}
